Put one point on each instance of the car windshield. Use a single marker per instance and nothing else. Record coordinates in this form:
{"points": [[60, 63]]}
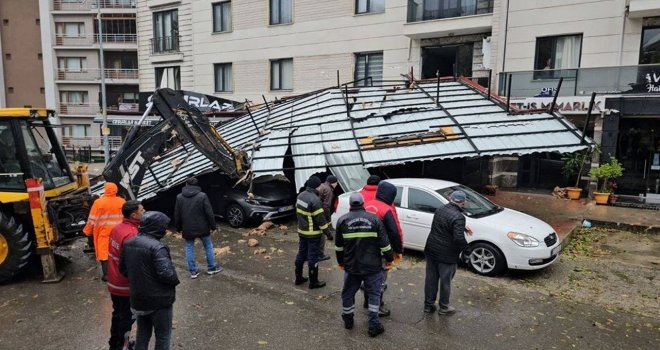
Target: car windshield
{"points": [[476, 205]]}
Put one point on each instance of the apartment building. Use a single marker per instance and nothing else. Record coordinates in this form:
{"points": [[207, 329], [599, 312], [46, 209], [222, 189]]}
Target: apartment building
{"points": [[21, 76], [246, 49], [73, 36], [610, 47]]}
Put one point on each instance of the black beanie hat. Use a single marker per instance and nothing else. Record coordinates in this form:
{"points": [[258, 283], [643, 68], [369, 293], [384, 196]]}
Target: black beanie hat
{"points": [[331, 179], [373, 180], [313, 181]]}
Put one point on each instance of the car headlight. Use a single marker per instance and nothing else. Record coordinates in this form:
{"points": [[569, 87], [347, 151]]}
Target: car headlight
{"points": [[523, 240], [254, 201]]}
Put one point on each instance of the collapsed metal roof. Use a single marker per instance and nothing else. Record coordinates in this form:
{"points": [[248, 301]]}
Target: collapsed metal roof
{"points": [[351, 129]]}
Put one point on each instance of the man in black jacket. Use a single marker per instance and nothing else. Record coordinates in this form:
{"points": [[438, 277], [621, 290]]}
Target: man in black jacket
{"points": [[194, 218], [361, 245], [311, 225], [147, 264], [443, 247]]}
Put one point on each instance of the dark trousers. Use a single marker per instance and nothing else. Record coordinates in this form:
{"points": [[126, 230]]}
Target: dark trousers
{"points": [[160, 321], [308, 250], [122, 320], [438, 273], [372, 286]]}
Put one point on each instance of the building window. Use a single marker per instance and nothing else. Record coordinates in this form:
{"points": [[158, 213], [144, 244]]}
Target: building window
{"points": [[650, 48], [222, 16], [72, 64], [424, 10], [281, 11], [369, 6], [168, 77], [74, 97], [368, 65], [78, 130], [557, 56], [166, 31], [223, 79], [70, 29], [281, 74]]}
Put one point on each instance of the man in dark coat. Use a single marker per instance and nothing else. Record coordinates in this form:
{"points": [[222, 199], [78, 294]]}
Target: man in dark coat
{"points": [[146, 261], [361, 246], [193, 216], [311, 225], [443, 247], [327, 196]]}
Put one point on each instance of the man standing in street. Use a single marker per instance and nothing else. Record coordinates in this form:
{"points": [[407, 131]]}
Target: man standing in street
{"points": [[443, 247], [368, 192], [194, 217], [326, 195], [103, 216], [383, 207], [361, 245], [311, 225], [122, 318], [152, 277]]}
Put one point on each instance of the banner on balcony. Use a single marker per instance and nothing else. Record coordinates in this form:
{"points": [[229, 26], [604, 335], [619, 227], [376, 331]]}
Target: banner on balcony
{"points": [[205, 103], [566, 105]]}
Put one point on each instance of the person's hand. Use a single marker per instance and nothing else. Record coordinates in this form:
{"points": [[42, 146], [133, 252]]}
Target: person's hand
{"points": [[397, 258], [468, 230], [340, 266], [389, 265]]}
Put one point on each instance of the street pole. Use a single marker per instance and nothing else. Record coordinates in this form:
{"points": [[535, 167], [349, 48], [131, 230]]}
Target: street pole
{"points": [[104, 109]]}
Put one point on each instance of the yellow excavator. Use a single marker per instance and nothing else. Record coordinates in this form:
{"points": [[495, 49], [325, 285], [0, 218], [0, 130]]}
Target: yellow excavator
{"points": [[43, 203]]}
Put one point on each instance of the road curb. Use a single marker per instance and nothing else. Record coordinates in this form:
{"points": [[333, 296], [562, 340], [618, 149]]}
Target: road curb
{"points": [[625, 226]]}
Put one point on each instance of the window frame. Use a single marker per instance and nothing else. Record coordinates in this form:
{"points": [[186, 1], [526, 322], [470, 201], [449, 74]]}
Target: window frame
{"points": [[538, 73], [173, 35], [216, 20], [279, 13], [641, 42], [427, 193], [368, 11], [177, 71], [279, 61], [229, 84], [357, 55], [64, 97]]}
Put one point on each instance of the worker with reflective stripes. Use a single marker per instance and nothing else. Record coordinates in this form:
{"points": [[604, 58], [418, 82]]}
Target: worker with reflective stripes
{"points": [[103, 217], [311, 225], [361, 244]]}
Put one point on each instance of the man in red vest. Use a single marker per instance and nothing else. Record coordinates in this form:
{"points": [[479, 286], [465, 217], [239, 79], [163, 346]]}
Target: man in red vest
{"points": [[122, 319], [383, 207], [368, 192]]}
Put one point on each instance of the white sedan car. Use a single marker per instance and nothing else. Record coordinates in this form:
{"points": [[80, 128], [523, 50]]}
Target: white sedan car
{"points": [[502, 238]]}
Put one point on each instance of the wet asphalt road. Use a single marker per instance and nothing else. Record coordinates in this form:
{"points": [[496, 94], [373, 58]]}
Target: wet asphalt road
{"points": [[253, 304]]}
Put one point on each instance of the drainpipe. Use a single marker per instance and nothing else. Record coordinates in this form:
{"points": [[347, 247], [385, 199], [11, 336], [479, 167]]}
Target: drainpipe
{"points": [[623, 31]]}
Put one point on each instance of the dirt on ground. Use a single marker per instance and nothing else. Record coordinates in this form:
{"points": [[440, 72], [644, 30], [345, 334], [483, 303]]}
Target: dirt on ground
{"points": [[619, 270]]}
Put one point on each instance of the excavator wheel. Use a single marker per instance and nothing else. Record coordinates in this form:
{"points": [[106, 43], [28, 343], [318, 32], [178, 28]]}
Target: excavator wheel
{"points": [[15, 247]]}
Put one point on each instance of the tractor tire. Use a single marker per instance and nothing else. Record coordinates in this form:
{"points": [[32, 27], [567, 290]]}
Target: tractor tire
{"points": [[15, 247]]}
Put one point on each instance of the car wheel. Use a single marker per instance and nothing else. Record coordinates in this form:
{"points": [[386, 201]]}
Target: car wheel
{"points": [[486, 259], [235, 215]]}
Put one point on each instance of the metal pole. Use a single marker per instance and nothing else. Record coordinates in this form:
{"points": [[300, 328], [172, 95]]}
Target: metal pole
{"points": [[104, 107], [591, 107], [338, 85], [490, 76], [251, 118], [554, 99], [437, 88], [508, 94]]}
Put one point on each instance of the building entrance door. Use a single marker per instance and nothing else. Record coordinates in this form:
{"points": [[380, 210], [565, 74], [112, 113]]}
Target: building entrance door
{"points": [[638, 149], [443, 58]]}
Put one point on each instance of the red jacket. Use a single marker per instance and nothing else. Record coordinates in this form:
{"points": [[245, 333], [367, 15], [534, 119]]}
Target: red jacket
{"points": [[387, 214], [118, 283], [368, 192]]}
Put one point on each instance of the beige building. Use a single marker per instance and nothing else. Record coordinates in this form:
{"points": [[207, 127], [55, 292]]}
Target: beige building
{"points": [[72, 63], [246, 49], [21, 76]]}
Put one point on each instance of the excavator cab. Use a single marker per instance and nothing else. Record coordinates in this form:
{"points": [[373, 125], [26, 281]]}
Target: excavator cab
{"points": [[29, 149]]}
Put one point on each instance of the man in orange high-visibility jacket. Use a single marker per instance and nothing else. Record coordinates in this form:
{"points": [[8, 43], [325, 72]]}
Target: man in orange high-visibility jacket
{"points": [[104, 215]]}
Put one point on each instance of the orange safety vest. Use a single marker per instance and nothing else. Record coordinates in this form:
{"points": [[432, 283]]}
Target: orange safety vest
{"points": [[104, 215]]}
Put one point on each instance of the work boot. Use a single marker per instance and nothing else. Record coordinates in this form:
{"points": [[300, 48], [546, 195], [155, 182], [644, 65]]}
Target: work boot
{"points": [[299, 276], [314, 278], [429, 309], [348, 321], [383, 311], [446, 310], [374, 331], [324, 257]]}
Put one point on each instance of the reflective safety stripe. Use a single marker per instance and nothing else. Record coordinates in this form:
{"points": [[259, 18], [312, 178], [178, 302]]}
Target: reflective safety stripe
{"points": [[118, 287], [339, 249], [348, 309], [108, 216], [323, 227], [308, 213], [374, 308], [309, 233], [389, 247], [359, 235]]}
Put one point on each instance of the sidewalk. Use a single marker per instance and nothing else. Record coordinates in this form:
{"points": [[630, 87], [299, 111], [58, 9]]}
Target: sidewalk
{"points": [[565, 215]]}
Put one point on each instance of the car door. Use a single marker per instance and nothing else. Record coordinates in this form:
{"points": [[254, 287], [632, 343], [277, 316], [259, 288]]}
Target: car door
{"points": [[418, 216]]}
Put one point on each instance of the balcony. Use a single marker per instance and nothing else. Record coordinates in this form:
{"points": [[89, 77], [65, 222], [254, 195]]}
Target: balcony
{"points": [[70, 108], [92, 40], [80, 5], [644, 8], [96, 142], [428, 19], [641, 79], [164, 45], [112, 75]]}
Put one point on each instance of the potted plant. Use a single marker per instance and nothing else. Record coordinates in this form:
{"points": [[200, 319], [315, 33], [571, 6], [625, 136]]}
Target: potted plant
{"points": [[605, 171]]}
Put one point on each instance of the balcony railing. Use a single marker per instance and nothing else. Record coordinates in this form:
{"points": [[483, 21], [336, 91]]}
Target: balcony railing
{"points": [[91, 39], [582, 81], [92, 141], [86, 5], [94, 74], [70, 108], [425, 10], [165, 44], [117, 38]]}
